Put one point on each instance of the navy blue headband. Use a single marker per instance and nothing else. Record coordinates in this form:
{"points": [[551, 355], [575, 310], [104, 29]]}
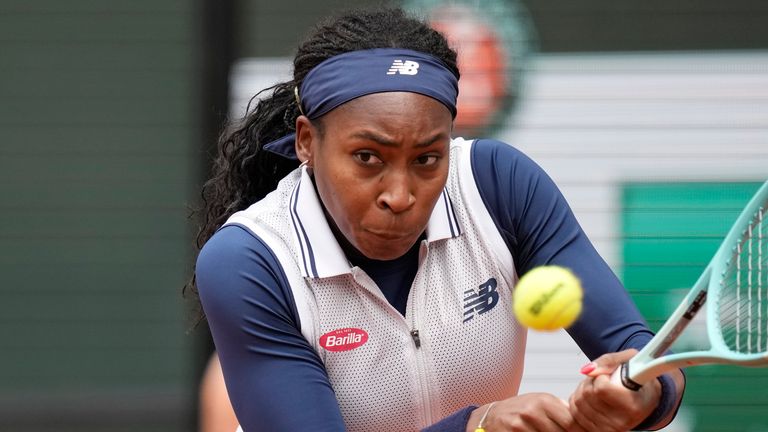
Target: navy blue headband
{"points": [[351, 75]]}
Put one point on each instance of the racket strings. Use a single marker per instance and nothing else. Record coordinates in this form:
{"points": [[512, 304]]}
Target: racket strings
{"points": [[743, 302]]}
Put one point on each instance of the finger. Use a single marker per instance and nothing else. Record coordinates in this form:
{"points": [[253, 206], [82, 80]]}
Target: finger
{"points": [[580, 408], [604, 405], [598, 404], [609, 396], [636, 405], [559, 415], [617, 407], [576, 427], [573, 425], [550, 415], [529, 412], [607, 363]]}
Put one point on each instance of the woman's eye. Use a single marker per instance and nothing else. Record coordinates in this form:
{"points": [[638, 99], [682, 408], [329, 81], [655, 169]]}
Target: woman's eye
{"points": [[367, 158], [427, 159]]}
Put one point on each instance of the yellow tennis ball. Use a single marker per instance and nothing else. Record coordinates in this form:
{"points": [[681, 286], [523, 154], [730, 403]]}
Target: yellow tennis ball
{"points": [[547, 298]]}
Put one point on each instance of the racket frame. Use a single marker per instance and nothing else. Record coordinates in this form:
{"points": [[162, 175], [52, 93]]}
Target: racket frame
{"points": [[651, 362]]}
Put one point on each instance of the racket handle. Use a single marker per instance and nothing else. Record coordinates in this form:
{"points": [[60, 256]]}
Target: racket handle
{"points": [[621, 377]]}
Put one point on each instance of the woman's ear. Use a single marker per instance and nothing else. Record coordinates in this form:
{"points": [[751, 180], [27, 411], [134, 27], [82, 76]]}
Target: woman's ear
{"points": [[306, 136]]}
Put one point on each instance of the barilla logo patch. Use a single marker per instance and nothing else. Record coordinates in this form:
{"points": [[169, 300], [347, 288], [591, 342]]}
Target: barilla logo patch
{"points": [[343, 339], [407, 67]]}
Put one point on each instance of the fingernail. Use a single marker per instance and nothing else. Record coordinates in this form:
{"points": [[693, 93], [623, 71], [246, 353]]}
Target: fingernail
{"points": [[587, 368]]}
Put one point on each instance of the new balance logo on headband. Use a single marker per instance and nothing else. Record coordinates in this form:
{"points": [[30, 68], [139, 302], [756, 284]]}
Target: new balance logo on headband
{"points": [[407, 67]]}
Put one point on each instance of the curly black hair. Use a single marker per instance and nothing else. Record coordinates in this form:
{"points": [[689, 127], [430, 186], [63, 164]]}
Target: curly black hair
{"points": [[242, 173]]}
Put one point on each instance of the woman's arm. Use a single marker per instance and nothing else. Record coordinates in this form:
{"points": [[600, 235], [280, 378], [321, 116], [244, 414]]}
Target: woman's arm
{"points": [[274, 378], [540, 229]]}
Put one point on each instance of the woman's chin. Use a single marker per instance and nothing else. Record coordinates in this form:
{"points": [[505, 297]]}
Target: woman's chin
{"points": [[386, 249]]}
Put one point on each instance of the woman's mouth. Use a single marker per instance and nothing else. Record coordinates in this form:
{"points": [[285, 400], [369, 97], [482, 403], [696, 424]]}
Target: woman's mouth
{"points": [[387, 235]]}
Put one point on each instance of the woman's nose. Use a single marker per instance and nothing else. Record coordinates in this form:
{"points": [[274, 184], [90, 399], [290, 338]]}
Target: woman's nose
{"points": [[397, 194]]}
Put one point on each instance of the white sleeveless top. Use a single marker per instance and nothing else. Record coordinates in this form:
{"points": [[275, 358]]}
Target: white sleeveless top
{"points": [[458, 343]]}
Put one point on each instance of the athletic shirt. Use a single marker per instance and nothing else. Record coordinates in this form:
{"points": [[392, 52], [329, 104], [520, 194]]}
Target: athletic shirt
{"points": [[311, 337]]}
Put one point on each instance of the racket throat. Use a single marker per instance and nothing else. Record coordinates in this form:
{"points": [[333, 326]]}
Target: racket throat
{"points": [[680, 325]]}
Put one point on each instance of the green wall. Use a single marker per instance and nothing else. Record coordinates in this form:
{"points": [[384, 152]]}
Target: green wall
{"points": [[266, 28], [98, 141], [670, 232]]}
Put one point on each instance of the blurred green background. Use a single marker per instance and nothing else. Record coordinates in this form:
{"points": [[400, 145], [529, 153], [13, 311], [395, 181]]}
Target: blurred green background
{"points": [[109, 111]]}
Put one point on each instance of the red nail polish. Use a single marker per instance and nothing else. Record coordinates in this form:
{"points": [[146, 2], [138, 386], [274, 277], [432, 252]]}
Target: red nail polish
{"points": [[587, 368]]}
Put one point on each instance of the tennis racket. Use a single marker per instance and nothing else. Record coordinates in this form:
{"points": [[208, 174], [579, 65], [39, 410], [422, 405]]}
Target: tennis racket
{"points": [[736, 284]]}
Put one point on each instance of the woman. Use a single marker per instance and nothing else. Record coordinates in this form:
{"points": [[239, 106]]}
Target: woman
{"points": [[361, 269]]}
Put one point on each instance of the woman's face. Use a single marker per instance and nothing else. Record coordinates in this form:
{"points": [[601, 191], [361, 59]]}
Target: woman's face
{"points": [[380, 163]]}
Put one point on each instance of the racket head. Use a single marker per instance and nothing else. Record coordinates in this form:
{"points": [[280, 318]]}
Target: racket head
{"points": [[717, 287], [737, 308]]}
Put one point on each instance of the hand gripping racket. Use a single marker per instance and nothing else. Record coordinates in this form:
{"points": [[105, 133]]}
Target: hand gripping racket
{"points": [[736, 284]]}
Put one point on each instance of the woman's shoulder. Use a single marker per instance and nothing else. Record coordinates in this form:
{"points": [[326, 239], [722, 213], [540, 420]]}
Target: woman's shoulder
{"points": [[485, 151], [495, 163], [235, 262], [234, 247], [230, 241], [497, 150]]}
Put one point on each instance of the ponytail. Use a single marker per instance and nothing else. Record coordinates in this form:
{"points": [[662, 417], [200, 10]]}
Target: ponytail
{"points": [[243, 172]]}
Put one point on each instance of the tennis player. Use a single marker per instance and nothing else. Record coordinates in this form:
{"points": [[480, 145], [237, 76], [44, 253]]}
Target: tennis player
{"points": [[359, 261]]}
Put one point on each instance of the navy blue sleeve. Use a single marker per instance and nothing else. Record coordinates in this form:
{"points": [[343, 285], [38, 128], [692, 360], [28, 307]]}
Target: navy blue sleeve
{"points": [[539, 228], [274, 378]]}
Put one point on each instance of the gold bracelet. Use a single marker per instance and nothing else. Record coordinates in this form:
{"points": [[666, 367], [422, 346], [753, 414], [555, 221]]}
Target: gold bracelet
{"points": [[479, 427]]}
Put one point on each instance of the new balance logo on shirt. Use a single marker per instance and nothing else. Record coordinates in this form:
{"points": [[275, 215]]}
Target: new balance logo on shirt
{"points": [[480, 300], [407, 67]]}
